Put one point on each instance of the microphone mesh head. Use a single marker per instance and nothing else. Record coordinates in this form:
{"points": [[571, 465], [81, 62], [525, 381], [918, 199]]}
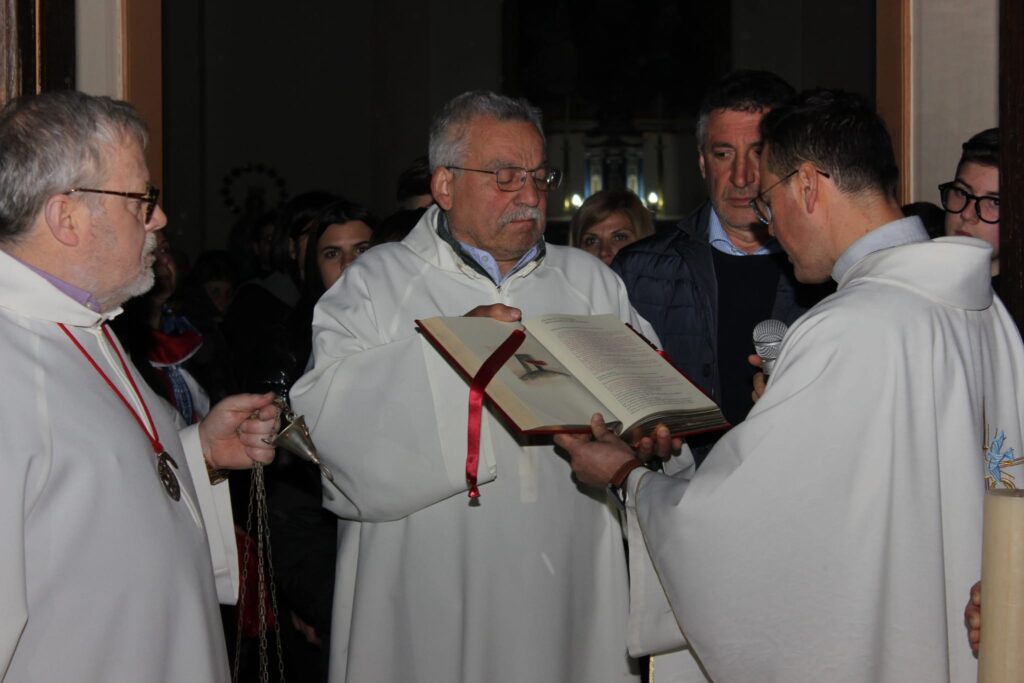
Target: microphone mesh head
{"points": [[768, 336]]}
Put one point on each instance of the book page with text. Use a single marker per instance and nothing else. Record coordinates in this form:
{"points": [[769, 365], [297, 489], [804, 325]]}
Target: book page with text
{"points": [[619, 367], [533, 388]]}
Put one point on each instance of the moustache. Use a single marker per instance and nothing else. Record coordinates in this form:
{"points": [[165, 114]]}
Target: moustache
{"points": [[521, 213], [149, 246]]}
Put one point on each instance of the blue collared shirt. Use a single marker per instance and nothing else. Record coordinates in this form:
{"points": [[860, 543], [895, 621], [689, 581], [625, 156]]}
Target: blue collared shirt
{"points": [[483, 258], [720, 241], [490, 266], [893, 234]]}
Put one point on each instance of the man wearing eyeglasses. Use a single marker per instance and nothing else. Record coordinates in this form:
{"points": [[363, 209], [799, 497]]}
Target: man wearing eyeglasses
{"points": [[116, 543], [705, 285], [835, 533], [971, 199], [527, 582]]}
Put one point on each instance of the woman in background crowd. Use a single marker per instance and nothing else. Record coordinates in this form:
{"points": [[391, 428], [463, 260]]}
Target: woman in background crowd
{"points": [[304, 533], [336, 237], [341, 232], [609, 220]]}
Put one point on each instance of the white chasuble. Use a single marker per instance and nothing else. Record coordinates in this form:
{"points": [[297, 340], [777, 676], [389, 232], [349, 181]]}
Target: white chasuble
{"points": [[103, 576], [527, 585], [834, 535]]}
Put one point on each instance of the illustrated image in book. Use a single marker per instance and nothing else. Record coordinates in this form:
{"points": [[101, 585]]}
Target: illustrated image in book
{"points": [[569, 367]]}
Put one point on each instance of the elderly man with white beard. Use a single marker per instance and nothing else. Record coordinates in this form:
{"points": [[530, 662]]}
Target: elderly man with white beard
{"points": [[116, 542], [528, 583]]}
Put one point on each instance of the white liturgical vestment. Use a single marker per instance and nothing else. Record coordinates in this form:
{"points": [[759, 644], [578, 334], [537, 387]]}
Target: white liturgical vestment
{"points": [[835, 534], [102, 576], [528, 585]]}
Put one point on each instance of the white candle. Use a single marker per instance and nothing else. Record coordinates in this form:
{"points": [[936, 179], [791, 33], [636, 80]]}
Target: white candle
{"points": [[1001, 658]]}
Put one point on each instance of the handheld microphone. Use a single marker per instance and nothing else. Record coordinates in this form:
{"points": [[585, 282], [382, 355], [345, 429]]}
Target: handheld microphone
{"points": [[768, 336]]}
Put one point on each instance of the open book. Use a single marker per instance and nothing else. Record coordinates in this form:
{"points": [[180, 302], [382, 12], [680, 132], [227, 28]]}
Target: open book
{"points": [[572, 366]]}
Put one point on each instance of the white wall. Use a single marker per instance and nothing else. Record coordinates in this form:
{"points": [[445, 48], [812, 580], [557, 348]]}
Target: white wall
{"points": [[955, 85], [98, 47]]}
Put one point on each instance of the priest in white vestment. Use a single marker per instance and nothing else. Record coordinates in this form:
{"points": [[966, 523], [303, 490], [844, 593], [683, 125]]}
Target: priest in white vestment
{"points": [[529, 583], [834, 535], [116, 544]]}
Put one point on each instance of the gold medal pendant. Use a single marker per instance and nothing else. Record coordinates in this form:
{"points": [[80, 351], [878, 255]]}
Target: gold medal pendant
{"points": [[167, 476]]}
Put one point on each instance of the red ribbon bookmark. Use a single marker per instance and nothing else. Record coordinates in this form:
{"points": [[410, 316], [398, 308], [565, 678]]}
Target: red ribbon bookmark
{"points": [[476, 403]]}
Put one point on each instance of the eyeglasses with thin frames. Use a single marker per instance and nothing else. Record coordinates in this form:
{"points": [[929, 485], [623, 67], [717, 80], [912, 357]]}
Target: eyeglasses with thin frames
{"points": [[956, 200], [513, 178], [149, 197], [763, 210]]}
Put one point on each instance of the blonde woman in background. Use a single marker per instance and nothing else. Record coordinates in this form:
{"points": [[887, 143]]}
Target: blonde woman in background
{"points": [[608, 221]]}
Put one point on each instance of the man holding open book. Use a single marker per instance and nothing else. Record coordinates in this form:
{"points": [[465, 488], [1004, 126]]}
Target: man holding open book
{"points": [[833, 534], [528, 581]]}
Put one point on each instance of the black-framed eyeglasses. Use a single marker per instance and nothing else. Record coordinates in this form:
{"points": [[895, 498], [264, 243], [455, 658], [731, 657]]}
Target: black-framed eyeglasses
{"points": [[513, 178], [763, 210], [955, 200], [149, 197]]}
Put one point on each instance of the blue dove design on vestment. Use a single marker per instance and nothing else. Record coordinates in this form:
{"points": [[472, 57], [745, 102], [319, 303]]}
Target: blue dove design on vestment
{"points": [[994, 461]]}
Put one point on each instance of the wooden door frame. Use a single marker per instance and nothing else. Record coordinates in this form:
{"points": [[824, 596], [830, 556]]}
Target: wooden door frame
{"points": [[142, 73], [1011, 157], [46, 60], [894, 84]]}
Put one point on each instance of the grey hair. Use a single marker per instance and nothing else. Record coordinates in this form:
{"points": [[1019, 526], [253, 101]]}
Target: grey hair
{"points": [[447, 132], [745, 91], [53, 142]]}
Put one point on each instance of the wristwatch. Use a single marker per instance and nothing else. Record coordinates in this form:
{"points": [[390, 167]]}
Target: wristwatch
{"points": [[216, 476], [616, 483]]}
